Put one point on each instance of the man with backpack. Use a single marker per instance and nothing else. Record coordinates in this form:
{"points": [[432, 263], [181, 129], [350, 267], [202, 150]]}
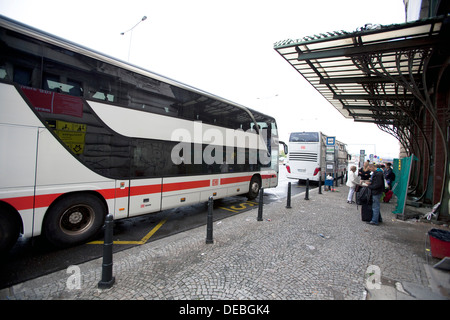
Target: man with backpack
{"points": [[376, 186]]}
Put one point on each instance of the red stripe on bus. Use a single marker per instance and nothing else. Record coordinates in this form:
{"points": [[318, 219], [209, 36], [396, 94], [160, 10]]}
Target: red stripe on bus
{"points": [[234, 180], [40, 201], [185, 185], [122, 192], [140, 190], [107, 193], [45, 200], [20, 203], [27, 202]]}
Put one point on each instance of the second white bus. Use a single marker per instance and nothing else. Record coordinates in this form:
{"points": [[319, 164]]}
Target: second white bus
{"points": [[307, 157]]}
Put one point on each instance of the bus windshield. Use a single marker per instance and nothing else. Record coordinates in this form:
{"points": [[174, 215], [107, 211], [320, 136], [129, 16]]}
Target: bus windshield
{"points": [[304, 137]]}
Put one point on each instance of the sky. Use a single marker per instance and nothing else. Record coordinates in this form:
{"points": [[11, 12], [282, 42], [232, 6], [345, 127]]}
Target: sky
{"points": [[225, 48]]}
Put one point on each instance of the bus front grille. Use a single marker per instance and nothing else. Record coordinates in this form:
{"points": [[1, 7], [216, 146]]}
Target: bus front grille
{"points": [[303, 156]]}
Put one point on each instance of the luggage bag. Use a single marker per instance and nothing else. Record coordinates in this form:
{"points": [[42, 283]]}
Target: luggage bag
{"points": [[366, 212]]}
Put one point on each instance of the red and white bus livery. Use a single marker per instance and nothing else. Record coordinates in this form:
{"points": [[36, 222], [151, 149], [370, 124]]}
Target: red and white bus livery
{"points": [[83, 135]]}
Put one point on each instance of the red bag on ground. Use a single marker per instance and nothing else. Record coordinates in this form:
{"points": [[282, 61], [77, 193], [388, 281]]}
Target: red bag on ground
{"points": [[388, 196]]}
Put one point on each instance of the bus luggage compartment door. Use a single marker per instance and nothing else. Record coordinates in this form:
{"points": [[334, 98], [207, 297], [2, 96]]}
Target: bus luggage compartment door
{"points": [[145, 196]]}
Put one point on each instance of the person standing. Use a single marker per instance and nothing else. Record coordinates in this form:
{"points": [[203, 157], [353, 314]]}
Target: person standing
{"points": [[364, 172], [376, 186], [389, 175], [352, 181]]}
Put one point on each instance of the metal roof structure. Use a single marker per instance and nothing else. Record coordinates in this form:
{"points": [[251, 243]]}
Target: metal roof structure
{"points": [[375, 74], [395, 76]]}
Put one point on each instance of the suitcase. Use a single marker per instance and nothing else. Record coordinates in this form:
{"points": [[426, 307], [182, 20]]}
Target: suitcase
{"points": [[366, 212], [388, 196]]}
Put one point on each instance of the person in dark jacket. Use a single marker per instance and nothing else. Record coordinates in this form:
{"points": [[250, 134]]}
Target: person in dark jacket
{"points": [[389, 175], [364, 172], [376, 185]]}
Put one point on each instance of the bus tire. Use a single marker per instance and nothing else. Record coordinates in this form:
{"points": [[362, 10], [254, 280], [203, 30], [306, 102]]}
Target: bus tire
{"points": [[74, 219], [255, 186], [9, 229]]}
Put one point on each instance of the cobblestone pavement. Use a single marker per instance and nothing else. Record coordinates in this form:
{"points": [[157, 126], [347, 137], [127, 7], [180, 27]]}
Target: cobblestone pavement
{"points": [[319, 249]]}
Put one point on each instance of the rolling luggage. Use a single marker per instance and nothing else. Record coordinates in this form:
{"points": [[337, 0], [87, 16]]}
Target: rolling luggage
{"points": [[388, 196], [366, 212]]}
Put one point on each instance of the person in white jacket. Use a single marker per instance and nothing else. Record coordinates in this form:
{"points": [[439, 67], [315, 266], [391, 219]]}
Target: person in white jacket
{"points": [[352, 181]]}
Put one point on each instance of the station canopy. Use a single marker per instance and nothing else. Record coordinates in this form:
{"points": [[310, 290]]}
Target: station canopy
{"points": [[374, 74]]}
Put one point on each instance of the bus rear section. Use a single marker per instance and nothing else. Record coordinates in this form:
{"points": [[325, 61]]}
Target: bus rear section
{"points": [[304, 158]]}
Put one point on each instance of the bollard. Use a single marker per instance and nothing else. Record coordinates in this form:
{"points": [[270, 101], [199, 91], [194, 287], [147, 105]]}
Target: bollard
{"points": [[209, 223], [288, 205], [107, 266], [320, 184], [260, 204], [307, 190]]}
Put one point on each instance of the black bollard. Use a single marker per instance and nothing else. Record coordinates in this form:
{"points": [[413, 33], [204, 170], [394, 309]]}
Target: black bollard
{"points": [[320, 184], [107, 266], [288, 205], [209, 223], [307, 190], [260, 205]]}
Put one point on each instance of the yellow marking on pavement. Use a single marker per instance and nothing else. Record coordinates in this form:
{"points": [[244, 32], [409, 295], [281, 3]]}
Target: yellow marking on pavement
{"points": [[152, 232], [241, 206], [140, 242], [234, 209], [228, 209]]}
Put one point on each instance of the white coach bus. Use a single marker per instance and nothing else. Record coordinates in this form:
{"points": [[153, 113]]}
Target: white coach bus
{"points": [[83, 135], [307, 157]]}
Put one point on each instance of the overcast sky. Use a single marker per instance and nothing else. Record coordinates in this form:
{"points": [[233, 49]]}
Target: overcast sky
{"points": [[225, 48]]}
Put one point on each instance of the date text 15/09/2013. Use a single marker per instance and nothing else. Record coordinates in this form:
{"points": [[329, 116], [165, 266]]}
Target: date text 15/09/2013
{"points": [[227, 309]]}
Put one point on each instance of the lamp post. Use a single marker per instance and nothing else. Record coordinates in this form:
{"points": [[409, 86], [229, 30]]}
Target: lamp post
{"points": [[131, 34]]}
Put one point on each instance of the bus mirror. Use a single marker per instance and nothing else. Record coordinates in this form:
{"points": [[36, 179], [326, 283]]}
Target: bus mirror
{"points": [[285, 147]]}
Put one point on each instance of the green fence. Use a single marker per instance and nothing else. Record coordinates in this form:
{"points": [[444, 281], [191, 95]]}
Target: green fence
{"points": [[402, 170]]}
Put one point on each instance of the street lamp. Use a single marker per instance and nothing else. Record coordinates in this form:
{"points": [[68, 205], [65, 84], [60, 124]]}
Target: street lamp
{"points": [[131, 34]]}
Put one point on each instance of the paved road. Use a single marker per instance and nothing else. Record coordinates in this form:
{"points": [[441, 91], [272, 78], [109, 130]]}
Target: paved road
{"points": [[319, 249], [44, 258]]}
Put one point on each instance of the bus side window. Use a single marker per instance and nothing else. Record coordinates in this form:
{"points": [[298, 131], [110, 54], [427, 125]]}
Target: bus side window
{"points": [[3, 74], [71, 87], [22, 76]]}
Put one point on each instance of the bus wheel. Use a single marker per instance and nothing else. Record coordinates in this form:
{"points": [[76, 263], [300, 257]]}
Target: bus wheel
{"points": [[74, 219], [255, 185], [9, 230]]}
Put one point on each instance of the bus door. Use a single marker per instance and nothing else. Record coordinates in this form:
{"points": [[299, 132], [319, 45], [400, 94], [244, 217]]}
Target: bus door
{"points": [[269, 133]]}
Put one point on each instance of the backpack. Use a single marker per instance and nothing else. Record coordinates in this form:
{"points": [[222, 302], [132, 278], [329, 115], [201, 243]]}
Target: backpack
{"points": [[364, 196]]}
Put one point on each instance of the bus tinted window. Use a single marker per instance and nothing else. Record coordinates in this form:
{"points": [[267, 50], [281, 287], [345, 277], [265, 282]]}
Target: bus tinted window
{"points": [[304, 137]]}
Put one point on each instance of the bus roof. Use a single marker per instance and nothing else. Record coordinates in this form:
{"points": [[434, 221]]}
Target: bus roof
{"points": [[25, 29]]}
